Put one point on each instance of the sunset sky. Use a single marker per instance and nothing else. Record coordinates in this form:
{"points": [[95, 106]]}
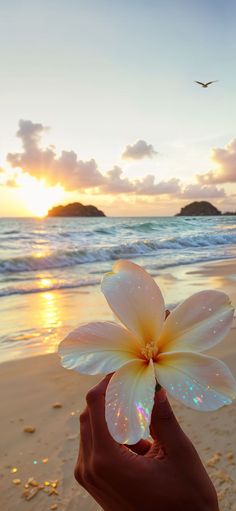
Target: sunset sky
{"points": [[98, 105]]}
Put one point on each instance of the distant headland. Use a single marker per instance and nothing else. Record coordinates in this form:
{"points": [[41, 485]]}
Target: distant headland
{"points": [[75, 209], [202, 208]]}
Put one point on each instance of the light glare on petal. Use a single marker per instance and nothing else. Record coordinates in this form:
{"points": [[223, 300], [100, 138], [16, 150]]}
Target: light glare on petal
{"points": [[98, 347], [135, 299], [129, 402], [199, 381], [198, 323]]}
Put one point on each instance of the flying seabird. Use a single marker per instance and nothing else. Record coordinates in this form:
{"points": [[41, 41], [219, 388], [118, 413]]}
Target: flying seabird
{"points": [[205, 85]]}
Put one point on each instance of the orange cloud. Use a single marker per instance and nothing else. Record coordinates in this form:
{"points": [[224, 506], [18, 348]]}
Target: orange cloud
{"points": [[198, 191], [225, 159], [77, 175]]}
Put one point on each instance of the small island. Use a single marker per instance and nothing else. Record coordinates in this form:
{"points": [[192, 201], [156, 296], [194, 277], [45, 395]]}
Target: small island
{"points": [[201, 208], [75, 209]]}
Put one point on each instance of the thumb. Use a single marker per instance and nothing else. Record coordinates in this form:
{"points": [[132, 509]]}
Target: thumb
{"points": [[164, 426]]}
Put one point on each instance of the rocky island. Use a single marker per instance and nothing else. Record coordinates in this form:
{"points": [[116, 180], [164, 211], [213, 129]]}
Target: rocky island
{"points": [[201, 208], [75, 209]]}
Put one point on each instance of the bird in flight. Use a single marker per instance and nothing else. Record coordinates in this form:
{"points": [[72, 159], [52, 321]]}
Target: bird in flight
{"points": [[205, 85]]}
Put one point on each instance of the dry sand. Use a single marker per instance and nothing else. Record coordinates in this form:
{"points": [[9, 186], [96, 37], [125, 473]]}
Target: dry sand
{"points": [[30, 387]]}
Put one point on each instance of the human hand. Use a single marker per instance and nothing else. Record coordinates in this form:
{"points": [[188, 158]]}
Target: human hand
{"points": [[164, 475]]}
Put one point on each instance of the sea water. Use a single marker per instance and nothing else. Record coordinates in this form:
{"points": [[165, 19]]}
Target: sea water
{"points": [[62, 253], [50, 268]]}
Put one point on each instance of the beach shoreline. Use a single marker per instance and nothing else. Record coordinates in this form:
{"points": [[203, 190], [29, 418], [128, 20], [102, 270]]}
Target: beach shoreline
{"points": [[39, 321]]}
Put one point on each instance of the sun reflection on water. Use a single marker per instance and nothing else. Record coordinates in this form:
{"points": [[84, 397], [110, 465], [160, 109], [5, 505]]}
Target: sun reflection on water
{"points": [[50, 312], [50, 317], [46, 283]]}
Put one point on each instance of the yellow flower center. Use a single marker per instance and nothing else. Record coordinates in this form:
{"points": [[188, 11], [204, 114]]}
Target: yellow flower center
{"points": [[150, 350]]}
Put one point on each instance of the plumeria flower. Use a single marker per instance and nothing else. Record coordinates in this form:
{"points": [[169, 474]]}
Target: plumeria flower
{"points": [[149, 349]]}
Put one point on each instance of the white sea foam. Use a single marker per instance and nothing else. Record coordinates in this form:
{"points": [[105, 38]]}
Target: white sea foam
{"points": [[72, 253]]}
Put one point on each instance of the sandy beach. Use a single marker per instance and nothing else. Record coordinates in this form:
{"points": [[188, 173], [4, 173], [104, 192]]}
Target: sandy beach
{"points": [[44, 459]]}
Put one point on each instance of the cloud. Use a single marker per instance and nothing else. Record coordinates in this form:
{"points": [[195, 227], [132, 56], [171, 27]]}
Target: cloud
{"points": [[115, 183], [66, 169], [78, 175], [1, 176], [225, 160], [198, 191], [8, 178], [11, 182], [138, 151], [147, 186]]}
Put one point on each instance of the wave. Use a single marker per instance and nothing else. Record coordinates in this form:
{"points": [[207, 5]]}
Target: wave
{"points": [[143, 227], [16, 237], [137, 248], [108, 231], [13, 231], [152, 268], [9, 291]]}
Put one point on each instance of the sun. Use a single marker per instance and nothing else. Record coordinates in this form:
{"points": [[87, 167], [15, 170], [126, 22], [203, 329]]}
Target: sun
{"points": [[38, 197]]}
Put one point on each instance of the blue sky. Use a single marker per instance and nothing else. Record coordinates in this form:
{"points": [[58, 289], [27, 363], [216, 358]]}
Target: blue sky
{"points": [[104, 74]]}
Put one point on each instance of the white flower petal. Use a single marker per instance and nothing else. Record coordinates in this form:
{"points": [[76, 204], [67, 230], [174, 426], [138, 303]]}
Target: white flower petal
{"points": [[129, 402], [98, 347], [136, 299], [198, 323], [199, 381]]}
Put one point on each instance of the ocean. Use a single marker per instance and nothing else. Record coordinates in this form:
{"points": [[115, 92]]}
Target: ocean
{"points": [[70, 255]]}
